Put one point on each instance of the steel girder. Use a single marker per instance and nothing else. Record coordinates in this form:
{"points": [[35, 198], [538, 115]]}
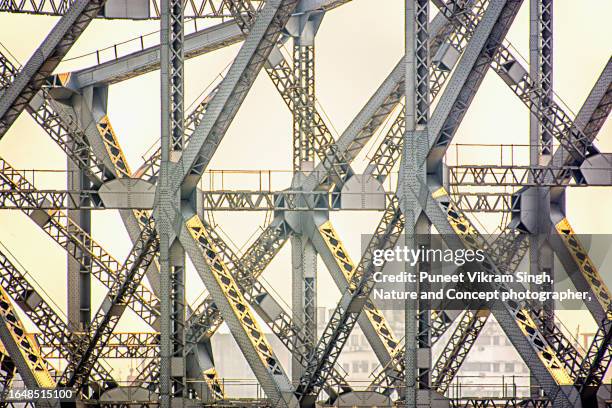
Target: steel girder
{"points": [[592, 114], [172, 367], [484, 202], [45, 59], [346, 314], [121, 292], [7, 372], [206, 137], [54, 332], [139, 345], [146, 60], [194, 9], [541, 71], [462, 86], [208, 261], [80, 246], [22, 348], [417, 371], [598, 104], [517, 176]]}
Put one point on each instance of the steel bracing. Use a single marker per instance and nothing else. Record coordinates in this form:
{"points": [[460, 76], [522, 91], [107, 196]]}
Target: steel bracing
{"points": [[408, 124]]}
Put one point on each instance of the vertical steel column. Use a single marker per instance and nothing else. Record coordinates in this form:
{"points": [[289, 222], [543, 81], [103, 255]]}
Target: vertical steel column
{"points": [[541, 68], [79, 273], [303, 116], [417, 227], [541, 256], [304, 295], [303, 254], [172, 256]]}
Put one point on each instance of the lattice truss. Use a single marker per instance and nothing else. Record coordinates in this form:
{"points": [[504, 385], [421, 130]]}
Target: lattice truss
{"points": [[165, 211]]}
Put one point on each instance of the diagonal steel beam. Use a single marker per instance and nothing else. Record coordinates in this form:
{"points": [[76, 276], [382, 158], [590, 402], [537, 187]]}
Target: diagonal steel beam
{"points": [[22, 349], [234, 308], [197, 43], [348, 311], [80, 245], [121, 292], [45, 59], [459, 92], [594, 111], [54, 332], [232, 91]]}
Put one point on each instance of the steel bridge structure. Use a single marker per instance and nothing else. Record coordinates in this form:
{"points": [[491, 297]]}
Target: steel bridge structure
{"points": [[413, 116]]}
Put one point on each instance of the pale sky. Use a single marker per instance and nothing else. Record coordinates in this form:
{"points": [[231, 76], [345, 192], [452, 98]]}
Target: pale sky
{"points": [[357, 46]]}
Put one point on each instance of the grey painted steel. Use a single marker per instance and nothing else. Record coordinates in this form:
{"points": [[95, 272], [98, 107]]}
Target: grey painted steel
{"points": [[273, 381], [591, 116], [380, 345], [147, 60], [45, 59], [232, 91], [564, 396], [541, 256], [80, 116], [53, 330], [79, 245], [303, 295], [417, 353], [144, 9], [78, 299], [172, 367]]}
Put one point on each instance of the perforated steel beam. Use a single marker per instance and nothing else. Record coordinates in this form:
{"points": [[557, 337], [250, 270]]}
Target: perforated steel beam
{"points": [[172, 367], [22, 349], [332, 251], [354, 300], [236, 312], [80, 245], [194, 9], [120, 293], [54, 332]]}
